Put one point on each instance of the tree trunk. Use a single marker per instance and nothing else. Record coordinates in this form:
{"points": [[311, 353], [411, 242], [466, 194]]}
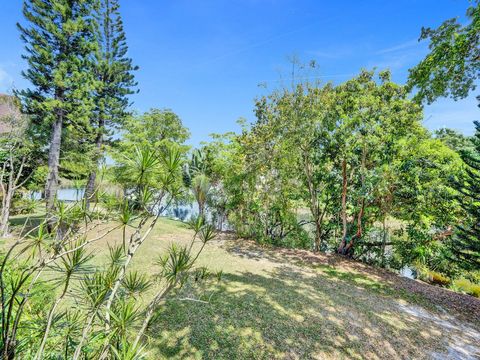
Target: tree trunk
{"points": [[85, 332], [201, 209], [314, 205], [150, 312], [53, 165], [347, 249], [8, 191], [384, 239], [9, 349], [5, 214], [90, 188], [344, 206]]}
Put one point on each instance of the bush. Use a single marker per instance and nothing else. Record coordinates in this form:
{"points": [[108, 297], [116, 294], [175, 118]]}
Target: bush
{"points": [[466, 286], [23, 206], [432, 277], [438, 279]]}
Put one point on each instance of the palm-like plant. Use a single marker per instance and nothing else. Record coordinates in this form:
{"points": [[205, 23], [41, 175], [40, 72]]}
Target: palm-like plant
{"points": [[73, 264], [135, 283], [200, 188], [102, 297]]}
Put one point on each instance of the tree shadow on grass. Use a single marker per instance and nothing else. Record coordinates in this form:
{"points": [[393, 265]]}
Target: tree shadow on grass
{"points": [[290, 314], [28, 221], [437, 299]]}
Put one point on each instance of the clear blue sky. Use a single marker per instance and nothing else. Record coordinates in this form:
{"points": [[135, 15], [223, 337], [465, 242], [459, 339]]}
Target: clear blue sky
{"points": [[205, 58]]}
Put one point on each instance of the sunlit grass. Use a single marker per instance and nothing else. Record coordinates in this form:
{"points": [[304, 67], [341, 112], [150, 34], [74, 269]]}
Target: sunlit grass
{"points": [[271, 306]]}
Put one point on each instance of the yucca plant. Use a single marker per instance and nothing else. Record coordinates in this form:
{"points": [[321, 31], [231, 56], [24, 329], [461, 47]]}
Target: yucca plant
{"points": [[73, 264], [35, 252], [126, 351], [103, 320], [135, 284]]}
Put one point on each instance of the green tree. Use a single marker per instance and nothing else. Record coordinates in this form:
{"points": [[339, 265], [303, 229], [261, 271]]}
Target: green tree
{"points": [[301, 125], [452, 66], [374, 115], [353, 155], [222, 162], [155, 128], [60, 43], [453, 139], [15, 158], [156, 132], [466, 244], [115, 82]]}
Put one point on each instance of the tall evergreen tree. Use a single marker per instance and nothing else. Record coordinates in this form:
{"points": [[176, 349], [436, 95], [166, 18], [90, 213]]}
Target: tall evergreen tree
{"points": [[114, 72], [60, 43], [466, 243]]}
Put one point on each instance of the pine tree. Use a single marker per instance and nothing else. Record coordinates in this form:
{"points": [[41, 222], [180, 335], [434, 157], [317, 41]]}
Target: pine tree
{"points": [[466, 243], [451, 69], [60, 44], [114, 72]]}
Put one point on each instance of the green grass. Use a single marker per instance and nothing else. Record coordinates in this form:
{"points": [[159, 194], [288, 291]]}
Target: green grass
{"points": [[269, 305]]}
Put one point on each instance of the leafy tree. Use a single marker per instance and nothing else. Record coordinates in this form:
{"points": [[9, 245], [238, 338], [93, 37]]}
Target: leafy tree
{"points": [[267, 193], [154, 134], [453, 64], [466, 244], [115, 81], [155, 128], [302, 124], [454, 139], [15, 159], [219, 160], [60, 43], [373, 118], [353, 156]]}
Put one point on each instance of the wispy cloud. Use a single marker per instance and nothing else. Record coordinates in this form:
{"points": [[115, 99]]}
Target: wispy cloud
{"points": [[264, 41], [400, 62], [398, 58], [399, 47]]}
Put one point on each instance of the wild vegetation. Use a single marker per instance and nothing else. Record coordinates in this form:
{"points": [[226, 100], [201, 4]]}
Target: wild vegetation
{"points": [[301, 218]]}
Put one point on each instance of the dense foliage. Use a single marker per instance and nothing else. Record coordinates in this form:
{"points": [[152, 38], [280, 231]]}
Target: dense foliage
{"points": [[345, 168], [453, 64]]}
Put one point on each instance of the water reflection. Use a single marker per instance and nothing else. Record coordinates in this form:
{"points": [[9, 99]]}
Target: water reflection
{"points": [[177, 211], [70, 194], [408, 272]]}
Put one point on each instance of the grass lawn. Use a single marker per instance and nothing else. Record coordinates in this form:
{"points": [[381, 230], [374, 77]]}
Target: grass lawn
{"points": [[275, 304]]}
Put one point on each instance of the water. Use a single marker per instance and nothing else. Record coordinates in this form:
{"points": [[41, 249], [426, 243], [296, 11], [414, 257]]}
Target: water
{"points": [[408, 272], [182, 212], [178, 211], [68, 194]]}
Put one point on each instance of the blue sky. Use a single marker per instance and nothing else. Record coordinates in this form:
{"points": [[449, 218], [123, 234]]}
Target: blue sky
{"points": [[205, 58]]}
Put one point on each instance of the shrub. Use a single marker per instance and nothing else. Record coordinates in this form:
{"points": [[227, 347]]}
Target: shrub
{"points": [[22, 206], [438, 279], [466, 286], [432, 277]]}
